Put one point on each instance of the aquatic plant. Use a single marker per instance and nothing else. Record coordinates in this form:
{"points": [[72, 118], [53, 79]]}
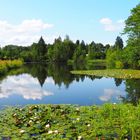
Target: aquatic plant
{"points": [[69, 122], [115, 73]]}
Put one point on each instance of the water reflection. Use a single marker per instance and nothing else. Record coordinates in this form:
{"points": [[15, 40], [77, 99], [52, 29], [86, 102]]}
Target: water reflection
{"points": [[133, 90], [23, 85], [59, 73], [109, 93], [53, 83], [118, 82]]}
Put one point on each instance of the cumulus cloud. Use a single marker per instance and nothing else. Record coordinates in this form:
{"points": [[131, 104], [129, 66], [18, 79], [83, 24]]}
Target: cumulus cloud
{"points": [[23, 85], [109, 93], [24, 33], [111, 26]]}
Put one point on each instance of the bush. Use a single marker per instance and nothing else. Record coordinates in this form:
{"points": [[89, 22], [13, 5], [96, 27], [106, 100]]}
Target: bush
{"points": [[119, 65], [5, 65], [115, 59]]}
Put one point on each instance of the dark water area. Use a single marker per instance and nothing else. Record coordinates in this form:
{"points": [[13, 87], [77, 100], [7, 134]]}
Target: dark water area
{"points": [[54, 84]]}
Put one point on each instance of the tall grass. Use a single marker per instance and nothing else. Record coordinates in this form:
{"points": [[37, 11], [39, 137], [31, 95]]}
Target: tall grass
{"points": [[6, 65]]}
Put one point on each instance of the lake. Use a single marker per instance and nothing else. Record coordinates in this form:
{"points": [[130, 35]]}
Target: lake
{"points": [[54, 84]]}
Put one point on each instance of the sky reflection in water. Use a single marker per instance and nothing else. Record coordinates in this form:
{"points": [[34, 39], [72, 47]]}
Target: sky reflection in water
{"points": [[25, 89]]}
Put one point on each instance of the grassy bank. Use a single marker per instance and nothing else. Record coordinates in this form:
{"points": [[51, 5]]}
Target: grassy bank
{"points": [[115, 73], [55, 122], [6, 65]]}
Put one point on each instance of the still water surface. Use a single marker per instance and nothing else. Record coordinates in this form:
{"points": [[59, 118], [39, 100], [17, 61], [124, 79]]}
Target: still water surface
{"points": [[53, 84]]}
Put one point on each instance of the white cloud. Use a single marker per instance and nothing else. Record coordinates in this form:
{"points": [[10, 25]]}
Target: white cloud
{"points": [[109, 93], [111, 26], [23, 85], [106, 21], [29, 26], [24, 33]]}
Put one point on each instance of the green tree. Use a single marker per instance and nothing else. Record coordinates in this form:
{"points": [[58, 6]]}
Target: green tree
{"points": [[100, 51], [118, 43], [79, 55], [132, 29], [132, 26], [91, 50], [61, 51], [42, 48], [133, 91], [132, 56], [39, 50], [115, 59]]}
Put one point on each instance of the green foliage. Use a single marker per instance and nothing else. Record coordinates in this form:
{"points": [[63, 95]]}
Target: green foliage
{"points": [[97, 51], [139, 63], [109, 121], [11, 52], [118, 43], [27, 56], [132, 56], [116, 58], [119, 65], [61, 51], [91, 51], [3, 68], [116, 73], [132, 88], [79, 55], [129, 56], [115, 55], [38, 51], [132, 26], [8, 64]]}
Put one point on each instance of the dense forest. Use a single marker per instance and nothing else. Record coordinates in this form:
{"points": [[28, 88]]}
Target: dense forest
{"points": [[59, 51], [117, 56]]}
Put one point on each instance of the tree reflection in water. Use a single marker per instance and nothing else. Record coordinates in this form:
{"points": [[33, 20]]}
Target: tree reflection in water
{"points": [[61, 75], [133, 91]]}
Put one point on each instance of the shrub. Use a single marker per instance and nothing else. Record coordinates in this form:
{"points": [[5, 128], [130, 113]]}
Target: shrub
{"points": [[119, 65], [5, 65]]}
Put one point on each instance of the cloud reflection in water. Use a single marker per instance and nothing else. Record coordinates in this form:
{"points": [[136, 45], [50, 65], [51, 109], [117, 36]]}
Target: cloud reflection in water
{"points": [[24, 85], [109, 93]]}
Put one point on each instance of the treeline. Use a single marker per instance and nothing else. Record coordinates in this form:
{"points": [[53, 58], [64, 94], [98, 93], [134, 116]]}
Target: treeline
{"points": [[117, 56], [62, 51], [129, 57], [59, 51], [66, 51]]}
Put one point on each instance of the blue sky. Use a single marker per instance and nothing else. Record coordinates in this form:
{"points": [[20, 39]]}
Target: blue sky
{"points": [[24, 21]]}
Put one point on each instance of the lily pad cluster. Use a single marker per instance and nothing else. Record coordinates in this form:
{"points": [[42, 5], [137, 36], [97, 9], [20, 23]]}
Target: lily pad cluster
{"points": [[115, 73], [69, 122]]}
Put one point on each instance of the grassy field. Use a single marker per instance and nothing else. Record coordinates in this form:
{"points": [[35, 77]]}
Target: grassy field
{"points": [[5, 65], [115, 73], [56, 122]]}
